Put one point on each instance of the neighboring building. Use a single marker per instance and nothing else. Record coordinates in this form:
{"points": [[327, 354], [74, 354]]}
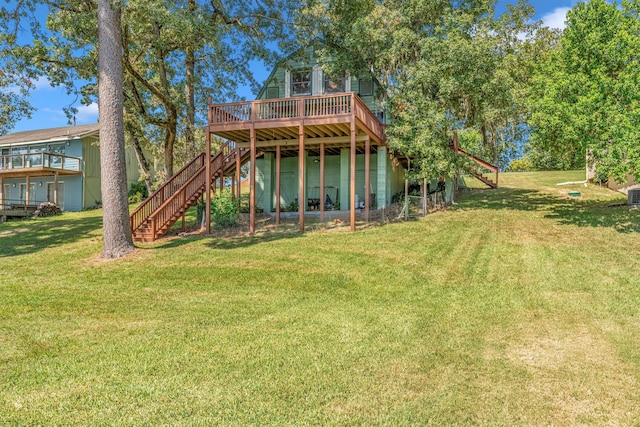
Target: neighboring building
{"points": [[59, 165], [624, 187]]}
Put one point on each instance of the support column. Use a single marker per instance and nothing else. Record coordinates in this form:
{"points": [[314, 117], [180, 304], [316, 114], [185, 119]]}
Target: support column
{"points": [[233, 186], [1, 193], [367, 178], [55, 188], [301, 173], [252, 183], [238, 170], [322, 195], [382, 177], [406, 191], [344, 179], [278, 173], [207, 199], [352, 177], [27, 192], [425, 194], [267, 184]]}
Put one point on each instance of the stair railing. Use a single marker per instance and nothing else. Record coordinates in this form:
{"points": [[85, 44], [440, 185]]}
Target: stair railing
{"points": [[165, 214], [162, 194]]}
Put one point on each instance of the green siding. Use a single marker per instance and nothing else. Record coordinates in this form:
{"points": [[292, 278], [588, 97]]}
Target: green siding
{"points": [[91, 158]]}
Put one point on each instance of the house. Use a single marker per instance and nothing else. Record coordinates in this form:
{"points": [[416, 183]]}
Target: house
{"points": [[623, 187], [59, 165], [313, 143]]}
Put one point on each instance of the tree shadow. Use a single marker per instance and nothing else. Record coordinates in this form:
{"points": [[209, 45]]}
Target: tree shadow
{"points": [[233, 241], [568, 211], [620, 218], [29, 236]]}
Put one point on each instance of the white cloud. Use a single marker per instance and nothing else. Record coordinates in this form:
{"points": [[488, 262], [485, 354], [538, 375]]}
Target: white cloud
{"points": [[556, 18], [87, 114], [41, 83]]}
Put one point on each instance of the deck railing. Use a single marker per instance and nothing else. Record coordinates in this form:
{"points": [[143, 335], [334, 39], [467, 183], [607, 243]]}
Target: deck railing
{"points": [[41, 160], [290, 108]]}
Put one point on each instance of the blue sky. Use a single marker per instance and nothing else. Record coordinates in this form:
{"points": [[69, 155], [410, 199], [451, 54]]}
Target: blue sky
{"points": [[49, 101]]}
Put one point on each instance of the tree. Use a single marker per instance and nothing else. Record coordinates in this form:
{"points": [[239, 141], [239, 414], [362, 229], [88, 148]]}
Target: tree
{"points": [[586, 96], [115, 216], [177, 54], [441, 66], [16, 78]]}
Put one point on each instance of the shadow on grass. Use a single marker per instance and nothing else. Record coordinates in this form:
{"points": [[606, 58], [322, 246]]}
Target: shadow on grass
{"points": [[234, 241], [583, 213], [30, 236]]}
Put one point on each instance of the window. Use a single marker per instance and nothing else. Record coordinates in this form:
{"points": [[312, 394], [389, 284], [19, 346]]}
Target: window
{"points": [[301, 82], [334, 85], [55, 161], [366, 87], [4, 158], [273, 92], [35, 158]]}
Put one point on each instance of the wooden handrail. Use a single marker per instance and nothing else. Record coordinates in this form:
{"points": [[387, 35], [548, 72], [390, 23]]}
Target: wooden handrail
{"points": [[289, 108], [158, 197], [167, 204]]}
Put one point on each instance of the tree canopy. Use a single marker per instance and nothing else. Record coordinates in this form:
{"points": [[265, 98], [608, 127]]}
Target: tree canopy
{"points": [[442, 66], [177, 54], [587, 91]]}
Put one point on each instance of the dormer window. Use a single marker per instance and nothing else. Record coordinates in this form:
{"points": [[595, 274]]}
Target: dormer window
{"points": [[332, 85], [301, 82]]}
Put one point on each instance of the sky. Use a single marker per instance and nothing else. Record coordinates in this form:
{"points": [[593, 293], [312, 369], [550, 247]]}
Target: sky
{"points": [[50, 101]]}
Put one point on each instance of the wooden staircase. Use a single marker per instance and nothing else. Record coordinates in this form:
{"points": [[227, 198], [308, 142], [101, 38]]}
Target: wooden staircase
{"points": [[486, 165], [157, 214]]}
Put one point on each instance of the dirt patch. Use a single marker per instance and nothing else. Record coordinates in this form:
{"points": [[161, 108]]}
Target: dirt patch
{"points": [[576, 374]]}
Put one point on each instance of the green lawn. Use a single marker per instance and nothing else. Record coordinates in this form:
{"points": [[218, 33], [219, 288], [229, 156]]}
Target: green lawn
{"points": [[517, 306]]}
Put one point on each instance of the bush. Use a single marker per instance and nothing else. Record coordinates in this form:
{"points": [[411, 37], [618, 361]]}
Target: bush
{"points": [[138, 192], [224, 210], [521, 165]]}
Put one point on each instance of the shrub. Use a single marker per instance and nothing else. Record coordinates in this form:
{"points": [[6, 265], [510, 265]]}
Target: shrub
{"points": [[138, 192], [521, 165], [224, 210]]}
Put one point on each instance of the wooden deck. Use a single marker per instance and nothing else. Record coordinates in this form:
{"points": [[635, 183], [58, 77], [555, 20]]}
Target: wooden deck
{"points": [[318, 125], [38, 164], [325, 119]]}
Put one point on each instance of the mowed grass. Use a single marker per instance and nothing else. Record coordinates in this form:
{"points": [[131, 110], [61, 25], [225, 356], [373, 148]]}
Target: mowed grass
{"points": [[517, 306]]}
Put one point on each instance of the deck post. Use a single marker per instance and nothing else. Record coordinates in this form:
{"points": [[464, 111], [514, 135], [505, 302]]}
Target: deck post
{"points": [[322, 195], [425, 194], [238, 170], [406, 191], [233, 186], [55, 189], [301, 171], [252, 182], [207, 190], [278, 172], [27, 193], [352, 178], [367, 178]]}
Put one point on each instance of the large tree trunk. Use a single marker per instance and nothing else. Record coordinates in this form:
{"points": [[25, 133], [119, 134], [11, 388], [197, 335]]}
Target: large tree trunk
{"points": [[115, 216]]}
